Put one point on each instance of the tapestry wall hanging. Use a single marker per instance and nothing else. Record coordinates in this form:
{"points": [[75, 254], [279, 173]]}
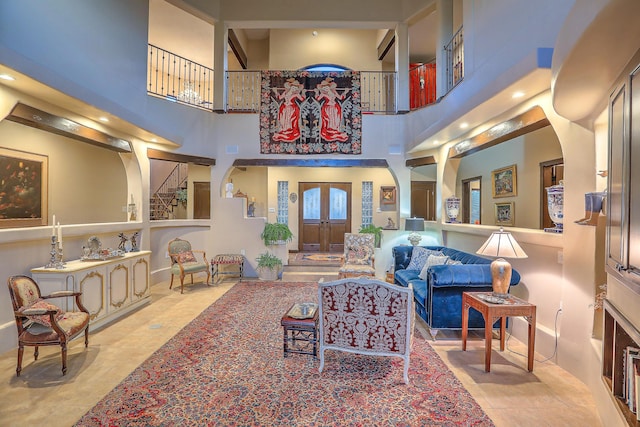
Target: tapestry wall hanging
{"points": [[305, 112]]}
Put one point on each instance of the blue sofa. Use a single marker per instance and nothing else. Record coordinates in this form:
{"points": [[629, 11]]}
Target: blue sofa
{"points": [[438, 299]]}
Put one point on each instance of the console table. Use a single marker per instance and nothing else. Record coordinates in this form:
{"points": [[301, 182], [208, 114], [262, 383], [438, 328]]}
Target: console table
{"points": [[512, 306], [110, 288]]}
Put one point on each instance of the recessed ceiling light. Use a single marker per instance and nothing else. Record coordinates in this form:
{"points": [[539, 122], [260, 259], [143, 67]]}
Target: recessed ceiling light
{"points": [[104, 119], [154, 140], [517, 94], [7, 77], [436, 142], [464, 125], [314, 33]]}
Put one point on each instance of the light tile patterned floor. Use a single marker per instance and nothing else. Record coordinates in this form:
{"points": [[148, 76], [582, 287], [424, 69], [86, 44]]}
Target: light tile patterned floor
{"points": [[510, 395]]}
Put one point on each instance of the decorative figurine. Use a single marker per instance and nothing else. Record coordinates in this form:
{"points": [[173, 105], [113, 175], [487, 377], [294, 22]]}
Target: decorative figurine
{"points": [[123, 241], [134, 242]]}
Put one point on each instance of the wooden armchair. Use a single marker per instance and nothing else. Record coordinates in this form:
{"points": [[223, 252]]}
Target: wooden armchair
{"points": [[359, 253], [41, 323], [184, 261]]}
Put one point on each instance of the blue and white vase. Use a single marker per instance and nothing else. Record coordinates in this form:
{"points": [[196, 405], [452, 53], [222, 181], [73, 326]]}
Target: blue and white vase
{"points": [[453, 208], [555, 205]]}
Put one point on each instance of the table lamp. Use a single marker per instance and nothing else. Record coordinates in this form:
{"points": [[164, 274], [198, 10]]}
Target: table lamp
{"points": [[414, 225], [501, 244]]}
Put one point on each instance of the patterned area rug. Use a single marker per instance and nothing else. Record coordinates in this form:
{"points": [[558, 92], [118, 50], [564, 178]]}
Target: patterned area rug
{"points": [[226, 368], [315, 258]]}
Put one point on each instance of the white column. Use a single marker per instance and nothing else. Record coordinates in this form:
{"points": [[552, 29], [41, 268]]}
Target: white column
{"points": [[445, 32], [220, 42], [402, 66]]}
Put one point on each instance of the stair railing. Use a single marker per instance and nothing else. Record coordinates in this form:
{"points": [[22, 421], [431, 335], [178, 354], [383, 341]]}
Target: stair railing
{"points": [[163, 198]]}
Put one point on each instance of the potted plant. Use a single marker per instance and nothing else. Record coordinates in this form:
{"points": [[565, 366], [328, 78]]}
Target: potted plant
{"points": [[181, 196], [276, 234], [372, 229], [269, 266]]}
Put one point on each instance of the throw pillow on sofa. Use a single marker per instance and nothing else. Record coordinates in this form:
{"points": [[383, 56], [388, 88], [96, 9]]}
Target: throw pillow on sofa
{"points": [[419, 257], [432, 260], [453, 262]]}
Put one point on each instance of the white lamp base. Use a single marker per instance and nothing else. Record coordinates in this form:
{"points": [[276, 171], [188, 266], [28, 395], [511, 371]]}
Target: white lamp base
{"points": [[414, 238]]}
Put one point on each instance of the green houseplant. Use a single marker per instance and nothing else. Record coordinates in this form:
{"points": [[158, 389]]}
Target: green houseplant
{"points": [[276, 233], [269, 266], [372, 229]]}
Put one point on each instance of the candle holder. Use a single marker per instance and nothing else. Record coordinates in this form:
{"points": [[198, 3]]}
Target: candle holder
{"points": [[56, 255]]}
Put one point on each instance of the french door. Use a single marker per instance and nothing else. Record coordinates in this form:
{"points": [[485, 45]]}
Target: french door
{"points": [[324, 216]]}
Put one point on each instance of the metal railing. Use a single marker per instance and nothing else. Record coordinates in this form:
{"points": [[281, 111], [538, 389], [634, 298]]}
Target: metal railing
{"points": [[454, 56], [377, 91], [179, 79], [163, 199]]}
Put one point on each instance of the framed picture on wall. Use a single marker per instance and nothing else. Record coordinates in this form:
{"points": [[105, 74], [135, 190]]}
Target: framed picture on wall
{"points": [[505, 213], [23, 189], [387, 195], [503, 182]]}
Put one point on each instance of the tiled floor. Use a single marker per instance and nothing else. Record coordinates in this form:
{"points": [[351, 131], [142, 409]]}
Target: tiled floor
{"points": [[510, 395]]}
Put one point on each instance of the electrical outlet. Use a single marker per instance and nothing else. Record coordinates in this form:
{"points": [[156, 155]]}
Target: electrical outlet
{"points": [[560, 257], [242, 252]]}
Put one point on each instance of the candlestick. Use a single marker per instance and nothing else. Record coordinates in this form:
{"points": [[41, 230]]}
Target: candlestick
{"points": [[59, 235], [53, 227]]}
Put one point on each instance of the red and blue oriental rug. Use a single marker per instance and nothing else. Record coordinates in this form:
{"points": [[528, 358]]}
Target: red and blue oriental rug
{"points": [[226, 368]]}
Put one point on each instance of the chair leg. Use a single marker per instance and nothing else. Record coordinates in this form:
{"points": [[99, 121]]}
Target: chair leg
{"points": [[86, 336], [63, 346], [171, 285], [20, 354], [181, 284], [36, 353]]}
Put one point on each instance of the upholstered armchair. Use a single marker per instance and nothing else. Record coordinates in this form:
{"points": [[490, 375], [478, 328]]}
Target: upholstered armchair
{"points": [[366, 316], [359, 255], [184, 261], [41, 323]]}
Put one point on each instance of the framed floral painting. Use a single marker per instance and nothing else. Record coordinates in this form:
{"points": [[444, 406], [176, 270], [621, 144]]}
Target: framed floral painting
{"points": [[23, 189]]}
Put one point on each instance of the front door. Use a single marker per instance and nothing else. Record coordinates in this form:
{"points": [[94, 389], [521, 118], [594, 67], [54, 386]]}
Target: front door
{"points": [[325, 215]]}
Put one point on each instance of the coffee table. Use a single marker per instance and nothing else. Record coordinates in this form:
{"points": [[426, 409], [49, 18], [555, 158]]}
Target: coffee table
{"points": [[300, 331]]}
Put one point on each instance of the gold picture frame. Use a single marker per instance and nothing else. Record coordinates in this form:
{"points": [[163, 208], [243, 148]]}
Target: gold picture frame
{"points": [[505, 213], [23, 189], [387, 195], [504, 182]]}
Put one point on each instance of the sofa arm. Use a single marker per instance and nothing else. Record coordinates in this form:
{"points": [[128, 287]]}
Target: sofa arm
{"points": [[401, 257], [466, 275]]}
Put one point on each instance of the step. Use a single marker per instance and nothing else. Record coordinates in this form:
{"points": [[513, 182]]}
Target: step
{"points": [[308, 276]]}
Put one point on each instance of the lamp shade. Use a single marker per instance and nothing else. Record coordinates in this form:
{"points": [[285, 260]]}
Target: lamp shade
{"points": [[414, 224], [501, 244]]}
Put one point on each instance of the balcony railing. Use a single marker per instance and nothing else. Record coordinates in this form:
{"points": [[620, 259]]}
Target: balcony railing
{"points": [[454, 56], [377, 91], [179, 79]]}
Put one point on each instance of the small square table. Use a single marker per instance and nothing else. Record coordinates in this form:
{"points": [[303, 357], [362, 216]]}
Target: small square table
{"points": [[227, 259], [300, 335], [491, 311]]}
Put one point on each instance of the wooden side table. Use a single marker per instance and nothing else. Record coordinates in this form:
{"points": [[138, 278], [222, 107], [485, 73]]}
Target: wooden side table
{"points": [[300, 335], [227, 259], [491, 312]]}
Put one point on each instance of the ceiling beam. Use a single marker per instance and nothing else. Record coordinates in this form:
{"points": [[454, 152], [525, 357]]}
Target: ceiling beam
{"points": [[420, 161], [236, 47], [181, 158]]}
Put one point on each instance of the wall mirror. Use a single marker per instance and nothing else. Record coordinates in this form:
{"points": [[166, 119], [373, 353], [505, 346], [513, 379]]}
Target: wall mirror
{"points": [[506, 176]]}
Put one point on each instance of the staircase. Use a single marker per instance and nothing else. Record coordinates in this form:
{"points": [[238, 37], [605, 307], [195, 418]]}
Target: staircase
{"points": [[300, 271], [165, 199]]}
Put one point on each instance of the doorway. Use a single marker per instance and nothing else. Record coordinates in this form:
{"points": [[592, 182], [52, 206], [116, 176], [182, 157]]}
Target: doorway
{"points": [[423, 200], [201, 200], [471, 200], [324, 216], [551, 173]]}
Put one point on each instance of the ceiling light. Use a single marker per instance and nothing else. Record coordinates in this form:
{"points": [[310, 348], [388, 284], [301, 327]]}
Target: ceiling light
{"points": [[6, 77], [104, 119], [517, 95], [464, 125], [154, 140], [314, 33], [436, 142]]}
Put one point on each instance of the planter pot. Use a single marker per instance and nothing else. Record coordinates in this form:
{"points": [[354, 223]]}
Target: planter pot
{"points": [[268, 274]]}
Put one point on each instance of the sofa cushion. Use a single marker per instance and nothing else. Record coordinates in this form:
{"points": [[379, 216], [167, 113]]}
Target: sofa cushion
{"points": [[405, 276], [419, 291], [432, 260], [419, 257]]}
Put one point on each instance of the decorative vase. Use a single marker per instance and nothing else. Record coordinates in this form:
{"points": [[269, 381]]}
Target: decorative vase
{"points": [[453, 208], [555, 205]]}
